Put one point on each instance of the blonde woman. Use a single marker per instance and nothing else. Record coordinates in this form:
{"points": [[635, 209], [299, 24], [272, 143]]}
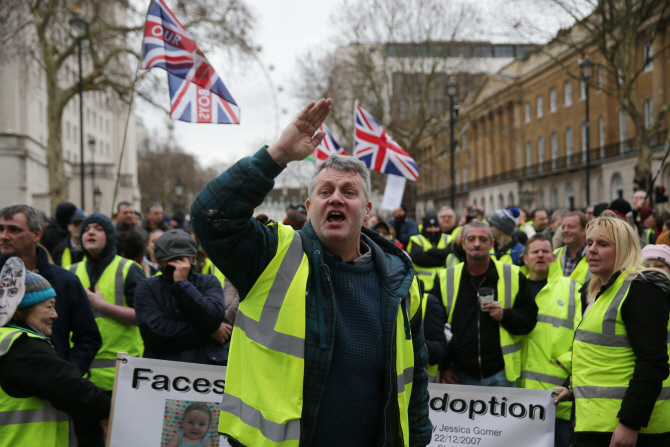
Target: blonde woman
{"points": [[620, 353]]}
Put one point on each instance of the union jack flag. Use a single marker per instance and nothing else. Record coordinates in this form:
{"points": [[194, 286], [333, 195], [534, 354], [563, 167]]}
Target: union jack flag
{"points": [[378, 150], [327, 147], [197, 93]]}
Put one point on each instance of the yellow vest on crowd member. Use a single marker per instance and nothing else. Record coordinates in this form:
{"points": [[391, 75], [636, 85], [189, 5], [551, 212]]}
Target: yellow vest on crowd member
{"points": [[508, 288], [603, 363], [559, 313], [432, 369], [581, 271], [210, 269], [66, 259], [116, 336], [427, 274], [29, 421], [645, 237], [261, 409]]}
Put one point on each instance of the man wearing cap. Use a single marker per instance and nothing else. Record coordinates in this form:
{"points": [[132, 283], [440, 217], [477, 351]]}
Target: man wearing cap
{"points": [[38, 387], [404, 226], [428, 250], [490, 308], [180, 313], [75, 335], [507, 248], [570, 259], [329, 325], [69, 251], [646, 226]]}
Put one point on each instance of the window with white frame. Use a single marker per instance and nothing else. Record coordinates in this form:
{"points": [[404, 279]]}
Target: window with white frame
{"points": [[540, 106], [527, 108], [529, 157], [568, 144], [554, 198], [617, 187], [648, 113], [465, 177], [584, 139], [569, 197], [648, 55], [567, 87], [554, 150], [540, 152], [582, 89], [552, 99]]}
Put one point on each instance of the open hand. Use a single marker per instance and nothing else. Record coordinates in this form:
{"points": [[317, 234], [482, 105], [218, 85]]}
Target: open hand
{"points": [[299, 140]]}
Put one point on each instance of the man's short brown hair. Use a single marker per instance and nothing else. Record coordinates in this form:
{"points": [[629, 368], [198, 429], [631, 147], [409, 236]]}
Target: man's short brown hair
{"points": [[537, 237], [583, 220]]}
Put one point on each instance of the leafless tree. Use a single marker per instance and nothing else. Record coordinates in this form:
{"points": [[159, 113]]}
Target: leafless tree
{"points": [[36, 33], [619, 35]]}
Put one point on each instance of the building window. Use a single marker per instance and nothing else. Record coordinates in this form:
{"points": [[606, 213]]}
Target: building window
{"points": [[568, 93], [529, 159], [554, 150], [552, 99], [540, 152], [527, 112], [540, 106], [619, 75], [623, 131], [541, 200], [600, 77], [569, 197], [648, 54], [68, 135], [465, 177], [617, 187], [568, 144], [648, 113], [554, 198], [582, 89]]}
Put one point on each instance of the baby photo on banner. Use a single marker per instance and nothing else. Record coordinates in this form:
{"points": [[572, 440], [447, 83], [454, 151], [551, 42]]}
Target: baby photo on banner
{"points": [[166, 404]]}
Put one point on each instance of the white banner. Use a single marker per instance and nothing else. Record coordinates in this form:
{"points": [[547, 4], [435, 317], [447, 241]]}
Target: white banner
{"points": [[395, 188], [150, 399], [491, 416]]}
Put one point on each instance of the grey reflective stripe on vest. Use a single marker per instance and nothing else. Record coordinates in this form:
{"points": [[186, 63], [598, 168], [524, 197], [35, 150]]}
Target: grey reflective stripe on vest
{"points": [[273, 431], [103, 363], [450, 289], [445, 237], [564, 255], [568, 323], [406, 377], [118, 283], [73, 268], [546, 378], [609, 337], [46, 414], [610, 392], [510, 349], [424, 273], [7, 340], [262, 331], [507, 282]]}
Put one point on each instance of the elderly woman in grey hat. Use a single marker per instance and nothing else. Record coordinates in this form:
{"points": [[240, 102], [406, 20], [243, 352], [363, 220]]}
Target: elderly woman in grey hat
{"points": [[38, 387]]}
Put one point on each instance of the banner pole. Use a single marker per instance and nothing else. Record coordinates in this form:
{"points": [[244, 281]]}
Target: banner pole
{"points": [[121, 358]]}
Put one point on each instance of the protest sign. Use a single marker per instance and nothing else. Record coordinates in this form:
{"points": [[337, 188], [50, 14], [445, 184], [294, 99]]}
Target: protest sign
{"points": [[490, 416], [155, 400], [395, 187]]}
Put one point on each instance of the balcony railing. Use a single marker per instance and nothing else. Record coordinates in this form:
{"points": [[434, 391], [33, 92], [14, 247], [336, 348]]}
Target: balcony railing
{"points": [[576, 161]]}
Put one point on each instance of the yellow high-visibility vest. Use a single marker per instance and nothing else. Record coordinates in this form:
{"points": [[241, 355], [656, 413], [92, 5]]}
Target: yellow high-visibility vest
{"points": [[427, 274], [29, 421], [261, 409], [581, 271], [116, 336], [603, 363]]}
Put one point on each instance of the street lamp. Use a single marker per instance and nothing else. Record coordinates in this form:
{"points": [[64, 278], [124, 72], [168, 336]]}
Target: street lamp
{"points": [[179, 192], [79, 31], [97, 199], [91, 146], [586, 66], [452, 90]]}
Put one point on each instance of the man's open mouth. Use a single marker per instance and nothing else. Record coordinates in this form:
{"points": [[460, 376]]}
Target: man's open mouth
{"points": [[335, 217]]}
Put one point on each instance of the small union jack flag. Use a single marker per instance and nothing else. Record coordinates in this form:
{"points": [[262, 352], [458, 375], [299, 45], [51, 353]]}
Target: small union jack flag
{"points": [[197, 93], [327, 147], [378, 150]]}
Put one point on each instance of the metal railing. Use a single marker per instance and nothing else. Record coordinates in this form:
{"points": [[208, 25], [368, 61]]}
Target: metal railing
{"points": [[559, 165]]}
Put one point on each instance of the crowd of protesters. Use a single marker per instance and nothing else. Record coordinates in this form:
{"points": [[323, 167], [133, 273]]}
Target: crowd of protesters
{"points": [[488, 299]]}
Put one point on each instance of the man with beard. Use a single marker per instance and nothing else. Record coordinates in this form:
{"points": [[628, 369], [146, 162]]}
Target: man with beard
{"points": [[429, 250]]}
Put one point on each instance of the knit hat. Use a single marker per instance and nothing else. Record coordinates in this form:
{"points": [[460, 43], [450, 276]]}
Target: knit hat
{"points": [[620, 207], [38, 290], [646, 212], [175, 244], [656, 252], [503, 220]]}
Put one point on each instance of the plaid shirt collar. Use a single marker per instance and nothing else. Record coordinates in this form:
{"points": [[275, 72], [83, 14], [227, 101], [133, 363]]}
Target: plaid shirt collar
{"points": [[569, 263]]}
